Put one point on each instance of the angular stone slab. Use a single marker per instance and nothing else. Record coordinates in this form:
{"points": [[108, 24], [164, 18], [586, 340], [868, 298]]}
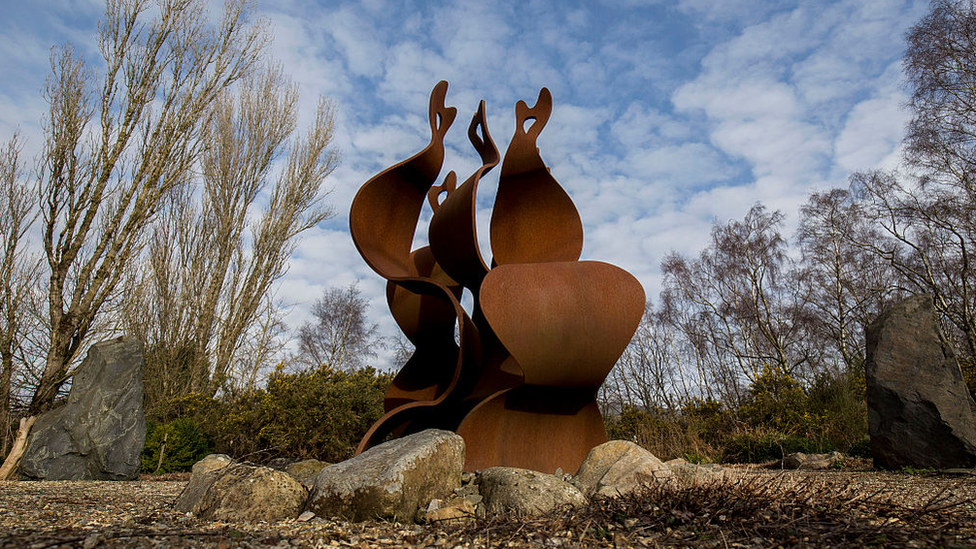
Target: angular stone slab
{"points": [[920, 413], [99, 433]]}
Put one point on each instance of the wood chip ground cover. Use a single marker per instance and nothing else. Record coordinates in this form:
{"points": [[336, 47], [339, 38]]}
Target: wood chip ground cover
{"points": [[749, 508]]}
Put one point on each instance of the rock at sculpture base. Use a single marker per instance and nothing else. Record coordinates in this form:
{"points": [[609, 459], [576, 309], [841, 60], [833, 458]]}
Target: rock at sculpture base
{"points": [[618, 467], [525, 492], [98, 434], [202, 476], [454, 509], [209, 464], [393, 480], [920, 413], [240, 493]]}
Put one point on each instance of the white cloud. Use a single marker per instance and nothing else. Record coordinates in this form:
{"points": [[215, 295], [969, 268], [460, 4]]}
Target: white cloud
{"points": [[873, 130]]}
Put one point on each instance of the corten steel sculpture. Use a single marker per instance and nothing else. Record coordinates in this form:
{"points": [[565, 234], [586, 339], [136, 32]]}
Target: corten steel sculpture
{"points": [[517, 378]]}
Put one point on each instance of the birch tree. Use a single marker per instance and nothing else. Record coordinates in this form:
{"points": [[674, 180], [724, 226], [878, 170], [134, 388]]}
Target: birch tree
{"points": [[341, 336]]}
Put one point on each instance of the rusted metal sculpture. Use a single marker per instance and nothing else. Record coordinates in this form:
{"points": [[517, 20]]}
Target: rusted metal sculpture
{"points": [[517, 378]]}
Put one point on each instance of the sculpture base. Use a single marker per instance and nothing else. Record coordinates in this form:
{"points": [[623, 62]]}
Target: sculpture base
{"points": [[533, 427]]}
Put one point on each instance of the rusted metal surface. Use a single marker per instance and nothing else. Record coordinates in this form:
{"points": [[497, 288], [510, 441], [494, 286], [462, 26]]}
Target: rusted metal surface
{"points": [[533, 220], [517, 378]]}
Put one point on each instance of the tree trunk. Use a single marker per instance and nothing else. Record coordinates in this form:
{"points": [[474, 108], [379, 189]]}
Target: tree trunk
{"points": [[53, 377], [5, 377], [47, 391], [17, 450]]}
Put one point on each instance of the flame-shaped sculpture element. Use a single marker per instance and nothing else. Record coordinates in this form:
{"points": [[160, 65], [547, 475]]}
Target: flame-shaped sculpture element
{"points": [[519, 383]]}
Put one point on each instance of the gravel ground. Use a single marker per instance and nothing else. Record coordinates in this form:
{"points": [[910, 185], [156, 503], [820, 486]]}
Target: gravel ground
{"points": [[751, 508]]}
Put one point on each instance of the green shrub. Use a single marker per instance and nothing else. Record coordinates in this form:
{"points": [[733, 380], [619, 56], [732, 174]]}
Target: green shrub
{"points": [[775, 401], [712, 420], [839, 407], [777, 417], [627, 424], [181, 443], [320, 414]]}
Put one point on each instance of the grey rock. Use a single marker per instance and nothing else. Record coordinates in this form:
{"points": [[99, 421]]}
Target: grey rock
{"points": [[695, 472], [202, 476], [393, 480], [466, 490], [280, 463], [305, 469], [99, 433], [920, 413], [242, 493], [473, 499], [618, 467], [799, 460], [210, 463], [525, 492]]}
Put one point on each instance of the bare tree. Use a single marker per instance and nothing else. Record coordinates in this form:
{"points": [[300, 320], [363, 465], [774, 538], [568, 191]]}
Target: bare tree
{"points": [[927, 211], [18, 273], [940, 64], [212, 261], [930, 233], [262, 352], [341, 337], [651, 372], [847, 284], [740, 306], [109, 163]]}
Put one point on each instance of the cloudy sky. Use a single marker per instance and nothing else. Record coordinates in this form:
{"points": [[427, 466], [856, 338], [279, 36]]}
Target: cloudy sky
{"points": [[668, 115]]}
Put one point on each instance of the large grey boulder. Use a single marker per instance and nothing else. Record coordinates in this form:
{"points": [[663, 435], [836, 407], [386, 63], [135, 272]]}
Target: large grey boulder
{"points": [[920, 413], [234, 492], [525, 492], [619, 467], [98, 434], [393, 480]]}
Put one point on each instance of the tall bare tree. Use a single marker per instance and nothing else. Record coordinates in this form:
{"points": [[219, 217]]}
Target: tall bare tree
{"points": [[212, 261], [117, 145], [927, 211], [940, 64]]}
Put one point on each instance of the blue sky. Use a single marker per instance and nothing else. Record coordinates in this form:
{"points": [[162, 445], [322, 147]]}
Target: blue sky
{"points": [[668, 115]]}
